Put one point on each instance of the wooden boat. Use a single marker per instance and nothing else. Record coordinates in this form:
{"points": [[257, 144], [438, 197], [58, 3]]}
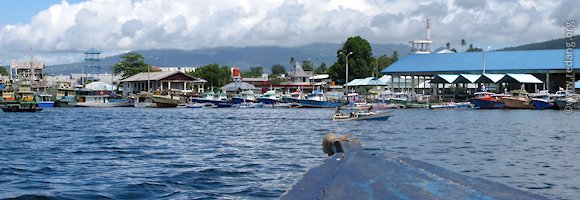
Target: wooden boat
{"points": [[519, 99], [488, 100], [24, 100], [352, 173], [65, 95], [167, 101], [361, 115], [408, 101], [143, 100]]}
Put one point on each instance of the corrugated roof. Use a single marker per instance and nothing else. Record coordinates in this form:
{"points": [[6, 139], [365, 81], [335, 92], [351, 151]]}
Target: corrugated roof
{"points": [[153, 76], [489, 78], [366, 82], [444, 78], [520, 78], [500, 61], [235, 86], [467, 78]]}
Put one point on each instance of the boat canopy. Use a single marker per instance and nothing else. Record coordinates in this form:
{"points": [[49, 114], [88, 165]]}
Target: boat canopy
{"points": [[100, 86]]}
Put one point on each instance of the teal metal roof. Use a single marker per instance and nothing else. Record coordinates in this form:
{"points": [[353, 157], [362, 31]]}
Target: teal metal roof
{"points": [[472, 62], [92, 51]]}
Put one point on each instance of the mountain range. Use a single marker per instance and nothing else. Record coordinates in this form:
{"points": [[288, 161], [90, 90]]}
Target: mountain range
{"points": [[242, 57]]}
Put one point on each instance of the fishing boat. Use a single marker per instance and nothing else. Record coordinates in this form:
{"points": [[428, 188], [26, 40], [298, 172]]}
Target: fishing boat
{"points": [[211, 97], [407, 100], [316, 99], [450, 105], [519, 99], [270, 97], [168, 99], [488, 100], [244, 96], [361, 115], [570, 101], [294, 97], [23, 100], [65, 95], [45, 100], [545, 101], [143, 100], [102, 101]]}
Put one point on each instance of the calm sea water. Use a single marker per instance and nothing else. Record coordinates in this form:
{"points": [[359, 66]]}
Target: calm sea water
{"points": [[132, 153]]}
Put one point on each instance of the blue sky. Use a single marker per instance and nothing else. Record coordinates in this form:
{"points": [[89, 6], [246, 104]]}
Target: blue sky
{"points": [[21, 11], [58, 34]]}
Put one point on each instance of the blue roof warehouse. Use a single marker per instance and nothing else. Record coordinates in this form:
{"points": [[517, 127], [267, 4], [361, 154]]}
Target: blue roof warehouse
{"points": [[545, 65]]}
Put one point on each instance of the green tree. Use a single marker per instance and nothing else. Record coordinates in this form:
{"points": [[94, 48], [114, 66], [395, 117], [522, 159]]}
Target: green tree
{"points": [[473, 49], [360, 63], [254, 72], [215, 75], [448, 45], [463, 43], [322, 69], [132, 63], [307, 65], [278, 69], [3, 71]]}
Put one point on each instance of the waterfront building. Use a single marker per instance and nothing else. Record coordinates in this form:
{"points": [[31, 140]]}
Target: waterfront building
{"points": [[163, 81], [513, 70]]}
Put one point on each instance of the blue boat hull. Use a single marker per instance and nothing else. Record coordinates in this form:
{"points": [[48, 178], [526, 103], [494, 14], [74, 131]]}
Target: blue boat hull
{"points": [[484, 104], [268, 101], [237, 100], [305, 103], [46, 104], [541, 105]]}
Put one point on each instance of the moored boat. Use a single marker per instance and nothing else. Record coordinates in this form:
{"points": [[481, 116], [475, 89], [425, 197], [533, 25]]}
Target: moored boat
{"points": [[408, 101], [45, 101], [488, 100], [450, 105], [24, 100], [316, 99], [270, 97], [244, 96], [102, 101], [519, 99], [570, 101]]}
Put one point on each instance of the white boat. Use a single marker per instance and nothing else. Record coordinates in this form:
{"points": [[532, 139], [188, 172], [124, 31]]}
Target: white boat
{"points": [[270, 97], [249, 105], [143, 100], [244, 96], [102, 101]]}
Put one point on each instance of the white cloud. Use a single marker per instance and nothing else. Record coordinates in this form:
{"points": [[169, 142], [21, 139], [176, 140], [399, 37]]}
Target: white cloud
{"points": [[113, 25]]}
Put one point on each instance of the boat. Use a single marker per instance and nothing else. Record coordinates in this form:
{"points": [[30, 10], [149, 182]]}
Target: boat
{"points": [[488, 100], [569, 101], [211, 97], [545, 101], [244, 96], [167, 99], [249, 105], [408, 100], [519, 99], [362, 115], [143, 100], [316, 99], [65, 95], [45, 101], [451, 105], [294, 97], [270, 97], [23, 100], [350, 172], [102, 101], [198, 105]]}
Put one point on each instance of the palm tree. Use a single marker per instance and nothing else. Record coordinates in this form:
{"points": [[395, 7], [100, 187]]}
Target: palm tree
{"points": [[463, 43], [448, 45]]}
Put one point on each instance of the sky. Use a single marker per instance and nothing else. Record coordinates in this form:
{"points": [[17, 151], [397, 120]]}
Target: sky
{"points": [[57, 32]]}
